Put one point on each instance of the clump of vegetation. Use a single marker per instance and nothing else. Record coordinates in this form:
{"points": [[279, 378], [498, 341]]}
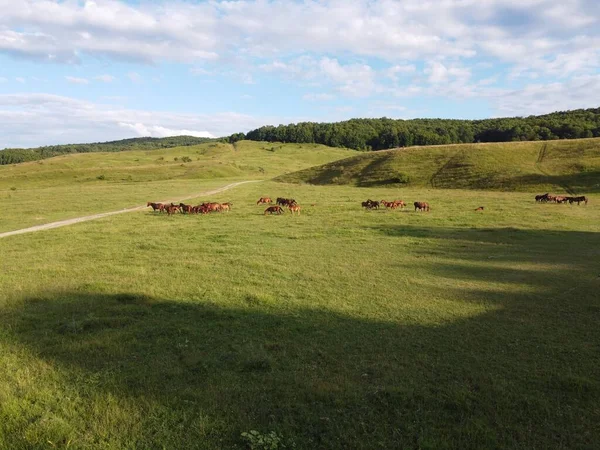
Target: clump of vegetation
{"points": [[186, 159], [101, 177], [269, 441]]}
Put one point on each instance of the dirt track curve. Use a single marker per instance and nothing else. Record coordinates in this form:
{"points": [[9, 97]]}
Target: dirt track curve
{"points": [[64, 223]]}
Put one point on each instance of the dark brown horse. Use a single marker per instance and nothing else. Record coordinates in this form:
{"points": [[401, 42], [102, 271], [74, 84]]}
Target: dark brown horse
{"points": [[156, 206], [273, 210], [421, 206], [578, 200], [186, 209]]}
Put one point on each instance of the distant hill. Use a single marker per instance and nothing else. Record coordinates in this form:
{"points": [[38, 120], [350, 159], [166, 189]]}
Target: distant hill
{"points": [[18, 155], [384, 133], [569, 165]]}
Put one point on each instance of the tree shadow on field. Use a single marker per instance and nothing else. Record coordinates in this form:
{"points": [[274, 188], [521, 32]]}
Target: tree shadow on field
{"points": [[524, 373], [582, 183]]}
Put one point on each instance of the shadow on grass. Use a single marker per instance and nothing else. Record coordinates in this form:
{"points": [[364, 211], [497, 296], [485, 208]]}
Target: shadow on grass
{"points": [[523, 373], [317, 377], [576, 184]]}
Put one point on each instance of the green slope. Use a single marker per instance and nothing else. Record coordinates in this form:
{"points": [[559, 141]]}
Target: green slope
{"points": [[569, 165]]}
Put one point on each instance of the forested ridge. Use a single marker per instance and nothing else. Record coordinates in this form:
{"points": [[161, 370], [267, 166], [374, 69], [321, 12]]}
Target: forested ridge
{"points": [[385, 133], [18, 155]]}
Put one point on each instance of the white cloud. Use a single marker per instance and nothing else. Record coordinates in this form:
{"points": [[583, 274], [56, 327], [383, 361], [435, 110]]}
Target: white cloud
{"points": [[318, 97], [105, 78], [391, 30], [580, 92], [134, 77], [41, 119], [157, 131], [76, 80]]}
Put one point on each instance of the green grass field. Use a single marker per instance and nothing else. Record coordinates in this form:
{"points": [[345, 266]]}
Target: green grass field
{"points": [[338, 328], [74, 185], [566, 166]]}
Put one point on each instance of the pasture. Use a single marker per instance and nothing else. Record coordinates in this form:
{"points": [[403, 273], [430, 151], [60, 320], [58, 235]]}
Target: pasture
{"points": [[338, 328]]}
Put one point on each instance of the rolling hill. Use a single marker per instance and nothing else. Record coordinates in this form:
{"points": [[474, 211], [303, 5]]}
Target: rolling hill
{"points": [[570, 165]]}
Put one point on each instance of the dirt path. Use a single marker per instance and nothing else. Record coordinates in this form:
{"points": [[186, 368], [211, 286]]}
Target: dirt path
{"points": [[64, 223]]}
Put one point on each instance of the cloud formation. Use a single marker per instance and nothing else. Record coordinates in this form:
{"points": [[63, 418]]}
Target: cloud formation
{"points": [[28, 119]]}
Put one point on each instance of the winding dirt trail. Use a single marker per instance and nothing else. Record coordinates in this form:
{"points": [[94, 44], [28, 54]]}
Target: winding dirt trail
{"points": [[64, 223]]}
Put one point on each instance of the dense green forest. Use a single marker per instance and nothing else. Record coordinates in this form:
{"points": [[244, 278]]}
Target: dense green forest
{"points": [[384, 133], [18, 155]]}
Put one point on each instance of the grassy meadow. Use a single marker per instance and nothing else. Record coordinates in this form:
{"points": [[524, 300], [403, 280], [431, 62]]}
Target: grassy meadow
{"points": [[568, 166], [73, 185], [338, 328]]}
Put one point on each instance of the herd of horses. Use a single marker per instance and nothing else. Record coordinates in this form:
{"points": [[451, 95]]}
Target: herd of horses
{"points": [[294, 208], [373, 204], [548, 198], [277, 208], [204, 208]]}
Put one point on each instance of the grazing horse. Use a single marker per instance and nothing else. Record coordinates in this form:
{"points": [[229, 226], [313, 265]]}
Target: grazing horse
{"points": [[421, 206], [285, 201], [479, 209], [156, 206], [273, 210], [212, 206], [387, 204], [294, 208], [264, 200], [561, 199], [171, 209], [542, 198], [226, 206], [579, 199], [185, 208], [399, 203]]}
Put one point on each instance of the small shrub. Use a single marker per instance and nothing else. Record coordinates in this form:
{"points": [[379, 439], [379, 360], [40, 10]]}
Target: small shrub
{"points": [[161, 158], [13, 188], [176, 159], [101, 177], [270, 441], [402, 178], [186, 159]]}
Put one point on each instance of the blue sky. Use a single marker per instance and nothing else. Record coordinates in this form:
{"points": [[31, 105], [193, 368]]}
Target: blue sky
{"points": [[85, 71]]}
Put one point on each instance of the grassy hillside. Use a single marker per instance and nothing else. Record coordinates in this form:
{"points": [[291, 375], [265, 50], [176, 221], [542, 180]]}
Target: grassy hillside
{"points": [[340, 328], [571, 166], [77, 184], [18, 155]]}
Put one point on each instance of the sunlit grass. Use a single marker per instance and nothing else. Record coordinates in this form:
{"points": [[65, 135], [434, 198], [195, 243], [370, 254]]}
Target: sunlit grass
{"points": [[338, 328]]}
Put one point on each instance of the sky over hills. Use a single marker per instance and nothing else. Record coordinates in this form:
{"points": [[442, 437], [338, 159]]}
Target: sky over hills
{"points": [[82, 71]]}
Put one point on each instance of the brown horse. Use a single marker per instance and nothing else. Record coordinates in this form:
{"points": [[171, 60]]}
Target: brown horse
{"points": [[421, 206], [185, 209], [273, 210], [399, 203], [226, 206], [156, 206], [387, 204], [212, 206], [579, 199], [542, 198], [294, 208], [264, 200], [479, 209], [171, 209]]}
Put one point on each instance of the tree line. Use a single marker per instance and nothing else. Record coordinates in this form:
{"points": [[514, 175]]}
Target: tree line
{"points": [[19, 155], [385, 133]]}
